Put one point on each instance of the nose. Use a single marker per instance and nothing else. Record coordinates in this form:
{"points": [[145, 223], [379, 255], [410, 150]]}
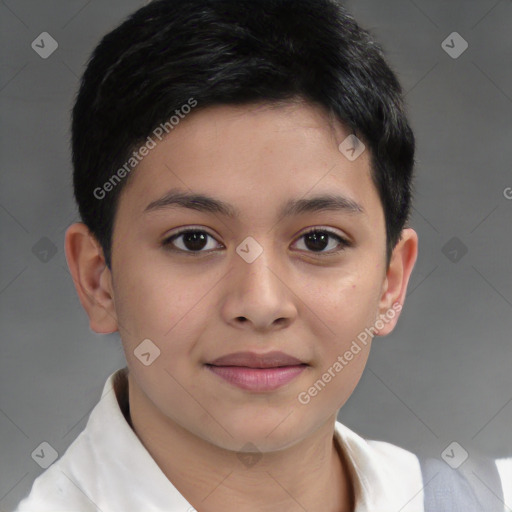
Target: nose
{"points": [[259, 296]]}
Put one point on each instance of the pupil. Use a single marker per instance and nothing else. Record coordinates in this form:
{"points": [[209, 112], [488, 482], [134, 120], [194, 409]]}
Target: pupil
{"points": [[319, 240], [194, 240]]}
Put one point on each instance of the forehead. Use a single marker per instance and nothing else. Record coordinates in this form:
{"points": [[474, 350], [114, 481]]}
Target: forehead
{"points": [[252, 155]]}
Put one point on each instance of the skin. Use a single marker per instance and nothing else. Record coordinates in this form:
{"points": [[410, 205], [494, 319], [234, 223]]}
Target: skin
{"points": [[294, 297]]}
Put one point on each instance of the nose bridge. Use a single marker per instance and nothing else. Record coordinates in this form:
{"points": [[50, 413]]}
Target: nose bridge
{"points": [[257, 292], [258, 259]]}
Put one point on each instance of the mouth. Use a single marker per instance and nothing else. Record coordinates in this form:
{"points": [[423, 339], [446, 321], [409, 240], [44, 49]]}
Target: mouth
{"points": [[257, 372]]}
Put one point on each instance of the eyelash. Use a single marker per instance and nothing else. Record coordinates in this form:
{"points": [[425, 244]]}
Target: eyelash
{"points": [[167, 242]]}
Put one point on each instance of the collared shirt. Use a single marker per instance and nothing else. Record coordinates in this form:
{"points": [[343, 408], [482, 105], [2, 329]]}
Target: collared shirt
{"points": [[107, 468]]}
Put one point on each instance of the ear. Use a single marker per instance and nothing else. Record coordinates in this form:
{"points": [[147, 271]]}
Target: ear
{"points": [[395, 284], [92, 278]]}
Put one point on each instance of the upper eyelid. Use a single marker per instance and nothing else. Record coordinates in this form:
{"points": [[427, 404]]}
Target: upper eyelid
{"points": [[184, 230]]}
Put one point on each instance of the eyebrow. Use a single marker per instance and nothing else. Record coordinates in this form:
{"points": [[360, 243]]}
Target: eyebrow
{"points": [[207, 204]]}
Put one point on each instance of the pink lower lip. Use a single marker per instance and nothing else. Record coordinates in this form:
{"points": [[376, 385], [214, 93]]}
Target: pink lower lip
{"points": [[258, 379]]}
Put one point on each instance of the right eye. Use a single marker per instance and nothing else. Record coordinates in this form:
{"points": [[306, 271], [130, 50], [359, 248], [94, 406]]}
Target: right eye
{"points": [[192, 241]]}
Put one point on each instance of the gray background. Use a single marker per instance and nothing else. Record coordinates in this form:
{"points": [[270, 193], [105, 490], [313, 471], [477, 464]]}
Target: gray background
{"points": [[442, 375]]}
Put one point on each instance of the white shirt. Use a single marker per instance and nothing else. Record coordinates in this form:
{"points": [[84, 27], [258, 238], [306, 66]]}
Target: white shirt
{"points": [[107, 468]]}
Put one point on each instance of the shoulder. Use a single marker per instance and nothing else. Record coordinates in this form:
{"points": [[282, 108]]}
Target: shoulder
{"points": [[383, 472], [398, 464], [505, 471], [392, 455], [72, 482], [380, 455], [58, 487]]}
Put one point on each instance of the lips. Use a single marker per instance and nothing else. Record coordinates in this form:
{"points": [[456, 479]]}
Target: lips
{"points": [[252, 360], [257, 372]]}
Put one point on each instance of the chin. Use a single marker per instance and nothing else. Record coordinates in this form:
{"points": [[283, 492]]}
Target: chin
{"points": [[267, 434]]}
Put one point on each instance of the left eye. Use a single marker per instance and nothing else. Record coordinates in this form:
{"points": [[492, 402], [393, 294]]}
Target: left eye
{"points": [[193, 241], [318, 239]]}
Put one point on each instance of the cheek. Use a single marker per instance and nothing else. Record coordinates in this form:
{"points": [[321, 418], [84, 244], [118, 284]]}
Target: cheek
{"points": [[347, 309], [145, 304], [346, 301], [346, 305], [162, 302]]}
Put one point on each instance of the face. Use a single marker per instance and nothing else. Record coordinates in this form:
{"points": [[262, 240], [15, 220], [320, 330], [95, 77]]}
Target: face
{"points": [[249, 277]]}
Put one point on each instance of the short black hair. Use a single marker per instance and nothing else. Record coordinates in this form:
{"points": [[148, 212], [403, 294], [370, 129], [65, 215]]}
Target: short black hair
{"points": [[233, 52]]}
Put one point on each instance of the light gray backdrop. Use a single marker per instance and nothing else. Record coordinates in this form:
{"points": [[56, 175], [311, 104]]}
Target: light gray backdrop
{"points": [[443, 375]]}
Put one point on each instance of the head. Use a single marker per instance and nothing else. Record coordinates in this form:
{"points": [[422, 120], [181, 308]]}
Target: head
{"points": [[231, 118]]}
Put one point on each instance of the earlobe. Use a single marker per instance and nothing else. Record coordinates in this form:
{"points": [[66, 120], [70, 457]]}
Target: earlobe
{"points": [[397, 278], [91, 277]]}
